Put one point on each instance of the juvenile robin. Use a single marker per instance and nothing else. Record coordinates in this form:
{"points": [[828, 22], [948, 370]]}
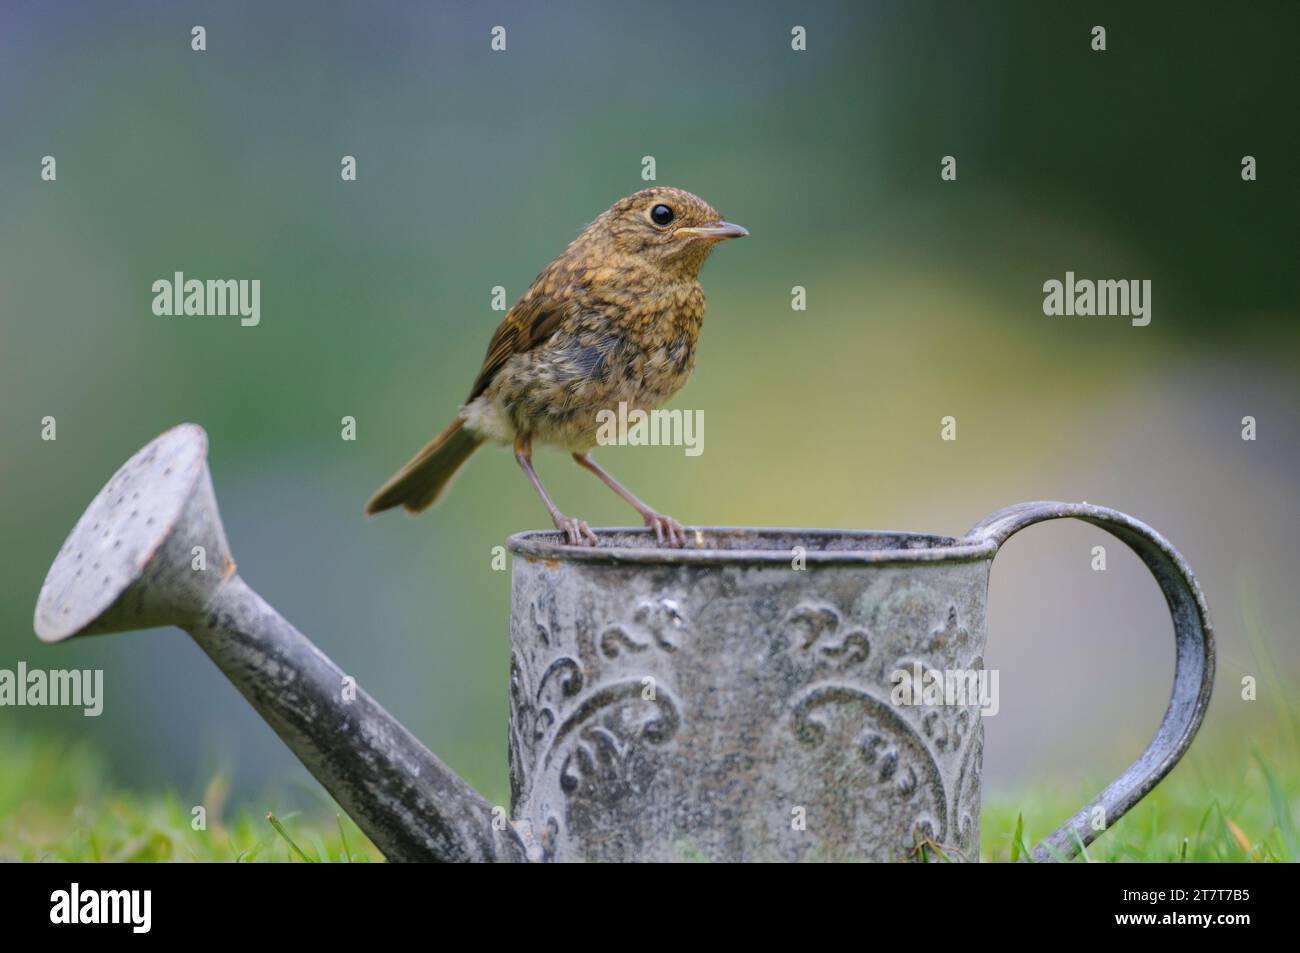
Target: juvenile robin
{"points": [[613, 319]]}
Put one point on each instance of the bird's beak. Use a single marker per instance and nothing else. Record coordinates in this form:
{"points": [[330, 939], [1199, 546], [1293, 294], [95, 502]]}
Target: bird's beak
{"points": [[715, 232]]}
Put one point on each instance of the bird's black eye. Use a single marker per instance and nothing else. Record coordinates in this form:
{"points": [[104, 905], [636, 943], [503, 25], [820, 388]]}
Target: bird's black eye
{"points": [[661, 215]]}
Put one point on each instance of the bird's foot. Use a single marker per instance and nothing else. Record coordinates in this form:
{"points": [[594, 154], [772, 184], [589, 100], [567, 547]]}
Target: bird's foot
{"points": [[668, 532], [576, 532]]}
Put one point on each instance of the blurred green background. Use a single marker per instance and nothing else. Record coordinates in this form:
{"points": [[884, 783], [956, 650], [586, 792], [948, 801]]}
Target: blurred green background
{"points": [[475, 168]]}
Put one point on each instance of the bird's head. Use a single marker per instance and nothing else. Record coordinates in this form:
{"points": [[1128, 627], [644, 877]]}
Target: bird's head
{"points": [[663, 228]]}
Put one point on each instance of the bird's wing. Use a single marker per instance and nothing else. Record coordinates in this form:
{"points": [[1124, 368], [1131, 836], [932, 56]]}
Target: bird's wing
{"points": [[529, 323]]}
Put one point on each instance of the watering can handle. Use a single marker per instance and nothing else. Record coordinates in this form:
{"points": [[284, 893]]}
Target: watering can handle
{"points": [[1193, 670]]}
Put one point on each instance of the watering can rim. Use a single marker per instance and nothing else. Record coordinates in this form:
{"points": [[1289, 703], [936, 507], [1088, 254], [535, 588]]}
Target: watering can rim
{"points": [[549, 545]]}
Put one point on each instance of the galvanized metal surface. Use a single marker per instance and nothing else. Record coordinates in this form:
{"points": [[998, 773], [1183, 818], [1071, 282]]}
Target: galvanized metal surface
{"points": [[1193, 661], [130, 563], [738, 709], [734, 702], [727, 702]]}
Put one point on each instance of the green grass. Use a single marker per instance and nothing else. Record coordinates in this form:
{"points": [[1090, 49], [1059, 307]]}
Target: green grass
{"points": [[1234, 797], [1225, 803], [1231, 805], [57, 805]]}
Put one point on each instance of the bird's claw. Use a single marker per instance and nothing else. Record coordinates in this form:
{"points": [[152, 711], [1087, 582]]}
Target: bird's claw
{"points": [[576, 532], [668, 531]]}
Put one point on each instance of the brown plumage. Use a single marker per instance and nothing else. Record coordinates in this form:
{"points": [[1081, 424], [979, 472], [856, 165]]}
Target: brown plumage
{"points": [[613, 319]]}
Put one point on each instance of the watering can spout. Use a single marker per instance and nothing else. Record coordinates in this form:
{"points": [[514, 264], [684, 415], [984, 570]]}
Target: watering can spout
{"points": [[150, 551]]}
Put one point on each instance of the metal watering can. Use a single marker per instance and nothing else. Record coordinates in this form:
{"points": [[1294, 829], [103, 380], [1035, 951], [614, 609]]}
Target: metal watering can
{"points": [[729, 702]]}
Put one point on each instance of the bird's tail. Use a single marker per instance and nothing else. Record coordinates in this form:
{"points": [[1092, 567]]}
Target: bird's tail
{"points": [[419, 484]]}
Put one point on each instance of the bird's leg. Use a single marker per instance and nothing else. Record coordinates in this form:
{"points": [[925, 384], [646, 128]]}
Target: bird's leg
{"points": [[666, 528], [577, 532]]}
